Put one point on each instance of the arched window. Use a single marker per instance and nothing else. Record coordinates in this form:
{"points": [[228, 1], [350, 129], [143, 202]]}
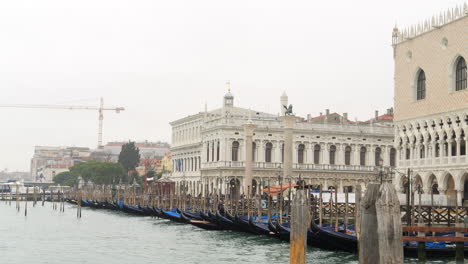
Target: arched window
{"points": [[347, 157], [212, 151], [422, 152], [217, 151], [392, 157], [300, 153], [268, 149], [207, 151], [317, 154], [362, 156], [254, 150], [460, 75], [421, 86], [332, 155], [282, 152], [378, 155], [235, 151], [408, 153]]}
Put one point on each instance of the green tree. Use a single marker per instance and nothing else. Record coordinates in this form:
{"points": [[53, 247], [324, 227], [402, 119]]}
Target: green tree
{"points": [[66, 178], [107, 173], [84, 170], [129, 157]]}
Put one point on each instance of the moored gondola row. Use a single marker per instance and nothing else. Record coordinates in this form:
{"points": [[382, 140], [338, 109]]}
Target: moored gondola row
{"points": [[329, 236]]}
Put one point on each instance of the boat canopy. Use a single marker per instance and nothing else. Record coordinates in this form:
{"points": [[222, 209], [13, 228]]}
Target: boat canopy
{"points": [[275, 190]]}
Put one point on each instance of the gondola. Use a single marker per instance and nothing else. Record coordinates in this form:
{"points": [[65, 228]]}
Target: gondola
{"points": [[193, 216], [330, 239], [132, 210], [242, 224], [207, 225], [225, 223], [174, 216], [283, 231], [260, 228], [433, 250]]}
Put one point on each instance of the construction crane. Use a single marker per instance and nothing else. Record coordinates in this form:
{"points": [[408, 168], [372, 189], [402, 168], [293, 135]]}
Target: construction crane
{"points": [[100, 109]]}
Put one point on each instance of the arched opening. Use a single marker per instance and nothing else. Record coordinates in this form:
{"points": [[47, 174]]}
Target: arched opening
{"points": [[404, 184], [437, 147], [282, 152], [451, 192], [465, 189], [362, 156], [268, 149], [462, 143], [207, 151], [460, 74], [348, 155], [434, 186], [300, 153], [392, 157], [234, 189], [332, 154], [421, 85], [217, 151], [235, 151], [418, 184], [317, 154], [254, 187], [254, 150], [378, 154], [212, 151]]}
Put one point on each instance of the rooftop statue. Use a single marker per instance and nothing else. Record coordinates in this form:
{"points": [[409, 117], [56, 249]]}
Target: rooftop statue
{"points": [[289, 110]]}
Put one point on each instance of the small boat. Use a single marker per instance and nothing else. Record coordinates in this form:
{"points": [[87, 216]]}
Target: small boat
{"points": [[225, 223], [133, 210], [174, 216], [260, 228], [328, 238]]}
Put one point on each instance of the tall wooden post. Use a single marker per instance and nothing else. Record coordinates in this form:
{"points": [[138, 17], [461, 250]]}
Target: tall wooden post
{"points": [[380, 226], [299, 224]]}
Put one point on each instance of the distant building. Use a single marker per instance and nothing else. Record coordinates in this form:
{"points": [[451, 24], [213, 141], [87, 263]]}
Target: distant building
{"points": [[48, 161], [431, 104], [14, 175], [167, 162], [208, 148], [148, 150]]}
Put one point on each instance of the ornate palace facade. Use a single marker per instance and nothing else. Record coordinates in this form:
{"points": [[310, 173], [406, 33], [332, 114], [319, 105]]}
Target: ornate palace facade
{"points": [[208, 148], [431, 103]]}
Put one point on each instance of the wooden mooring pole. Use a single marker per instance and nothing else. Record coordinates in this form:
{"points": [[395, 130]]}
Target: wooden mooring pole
{"points": [[380, 240], [299, 223]]}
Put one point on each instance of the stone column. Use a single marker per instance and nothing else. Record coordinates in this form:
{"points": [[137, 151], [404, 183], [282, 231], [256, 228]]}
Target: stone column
{"points": [[222, 149], [386, 155], [288, 144], [325, 154], [248, 176], [276, 152], [261, 151], [356, 149], [309, 157]]}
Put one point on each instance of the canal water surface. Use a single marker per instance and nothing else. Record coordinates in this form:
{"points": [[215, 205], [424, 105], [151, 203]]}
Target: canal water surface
{"points": [[101, 236]]}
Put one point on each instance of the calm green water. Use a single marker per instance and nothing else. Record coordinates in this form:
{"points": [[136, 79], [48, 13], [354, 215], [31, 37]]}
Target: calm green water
{"points": [[101, 236]]}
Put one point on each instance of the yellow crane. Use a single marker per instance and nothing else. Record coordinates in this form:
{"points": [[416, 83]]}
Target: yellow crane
{"points": [[100, 109]]}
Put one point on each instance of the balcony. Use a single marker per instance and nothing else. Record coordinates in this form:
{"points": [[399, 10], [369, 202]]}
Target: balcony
{"points": [[279, 166]]}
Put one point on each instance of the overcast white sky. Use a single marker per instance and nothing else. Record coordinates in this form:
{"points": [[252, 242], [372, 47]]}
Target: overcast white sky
{"points": [[163, 60]]}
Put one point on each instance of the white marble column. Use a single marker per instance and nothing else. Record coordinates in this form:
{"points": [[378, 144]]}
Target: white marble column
{"points": [[309, 153], [355, 157], [325, 153]]}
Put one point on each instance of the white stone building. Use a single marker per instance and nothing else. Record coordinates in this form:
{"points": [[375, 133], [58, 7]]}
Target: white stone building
{"points": [[208, 148], [431, 104]]}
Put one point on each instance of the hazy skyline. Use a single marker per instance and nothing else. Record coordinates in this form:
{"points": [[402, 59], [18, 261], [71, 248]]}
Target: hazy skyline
{"points": [[162, 60]]}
